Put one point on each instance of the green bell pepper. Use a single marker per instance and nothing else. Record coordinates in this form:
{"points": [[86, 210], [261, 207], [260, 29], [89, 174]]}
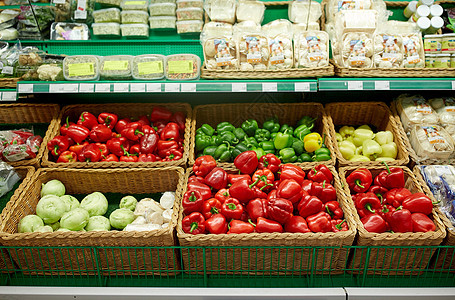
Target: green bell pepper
{"points": [[307, 121], [383, 137], [251, 142], [222, 153], [239, 133], [339, 137], [359, 158], [282, 140], [239, 148], [347, 131], [347, 149], [210, 150], [224, 126], [202, 142], [322, 154], [305, 157], [287, 155], [273, 136], [298, 146], [262, 135], [287, 129], [259, 152], [301, 131], [250, 126], [226, 137], [389, 150], [199, 131], [371, 148], [267, 146], [271, 125], [207, 129], [361, 135]]}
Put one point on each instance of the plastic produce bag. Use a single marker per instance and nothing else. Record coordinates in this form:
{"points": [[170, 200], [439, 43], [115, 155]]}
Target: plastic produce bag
{"points": [[8, 178], [19, 144]]}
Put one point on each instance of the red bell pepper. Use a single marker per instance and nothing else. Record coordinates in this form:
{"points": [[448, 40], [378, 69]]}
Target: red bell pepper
{"points": [[147, 129], [279, 210], [334, 210], [271, 195], [374, 223], [293, 172], [173, 154], [179, 118], [237, 226], [232, 209], [67, 157], [400, 220], [309, 205], [192, 201], [118, 146], [222, 195], [319, 222], [87, 120], [379, 191], [170, 132], [244, 190], [194, 178], [269, 226], [211, 207], [246, 162], [270, 161], [257, 208], [217, 178], [58, 145], [360, 180], [100, 133], [296, 224], [132, 131], [146, 158], [159, 126], [129, 158], [244, 217], [324, 191], [194, 223], [422, 223], [135, 149], [202, 188], [165, 147], [233, 178], [266, 179], [320, 174], [78, 148], [90, 153], [290, 189], [144, 120], [121, 124], [307, 186], [108, 119], [367, 203], [396, 196], [103, 149], [148, 143], [78, 133], [339, 225], [390, 178], [203, 165], [216, 224], [160, 113], [418, 203], [64, 127], [110, 157]]}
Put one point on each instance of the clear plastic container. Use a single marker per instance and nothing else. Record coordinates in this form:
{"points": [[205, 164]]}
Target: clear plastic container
{"points": [[148, 67], [414, 56], [445, 108], [162, 22], [415, 110], [135, 5], [193, 26], [357, 50], [135, 30], [388, 50], [221, 10], [107, 15], [254, 52], [162, 1], [216, 29], [311, 49], [250, 11], [81, 67], [431, 141], [452, 61], [106, 29], [442, 61], [190, 13], [115, 3], [69, 31], [82, 11], [432, 43], [220, 54], [448, 43], [190, 3], [134, 17], [116, 67], [162, 9], [183, 67], [304, 11]]}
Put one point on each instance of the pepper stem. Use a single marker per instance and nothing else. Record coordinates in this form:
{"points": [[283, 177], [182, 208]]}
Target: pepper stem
{"points": [[269, 184], [194, 226], [368, 207], [55, 150], [357, 182], [387, 167], [67, 122], [328, 211], [231, 206], [251, 222], [214, 211], [338, 226], [192, 198], [254, 183], [323, 184]]}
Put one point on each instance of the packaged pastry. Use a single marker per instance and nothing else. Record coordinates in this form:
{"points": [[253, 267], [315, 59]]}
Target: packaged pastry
{"points": [[311, 49], [190, 13], [81, 67], [190, 3], [445, 108], [248, 10], [415, 110], [304, 11], [388, 50], [220, 54], [162, 22], [135, 5], [148, 67], [162, 9], [221, 10], [135, 30], [69, 31], [134, 17], [356, 50], [190, 26], [106, 29], [413, 51], [116, 67], [115, 3], [254, 53], [431, 141], [108, 15], [183, 67]]}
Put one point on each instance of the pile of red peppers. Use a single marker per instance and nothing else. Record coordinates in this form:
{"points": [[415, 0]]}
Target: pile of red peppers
{"points": [[385, 205], [263, 196], [107, 138]]}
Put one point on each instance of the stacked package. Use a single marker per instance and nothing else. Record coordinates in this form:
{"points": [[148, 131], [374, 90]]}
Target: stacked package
{"points": [[189, 16]]}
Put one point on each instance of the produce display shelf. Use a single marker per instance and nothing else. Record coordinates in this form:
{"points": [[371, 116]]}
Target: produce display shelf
{"points": [[384, 84]]}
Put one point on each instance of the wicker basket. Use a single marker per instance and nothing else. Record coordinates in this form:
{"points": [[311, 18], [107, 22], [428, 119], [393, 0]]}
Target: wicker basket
{"points": [[30, 114], [8, 83], [124, 110], [443, 258], [287, 113], [113, 261], [408, 261], [360, 113], [251, 258]]}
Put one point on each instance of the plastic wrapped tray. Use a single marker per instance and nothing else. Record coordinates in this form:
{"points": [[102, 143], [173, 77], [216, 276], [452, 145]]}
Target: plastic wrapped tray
{"points": [[81, 67], [431, 141], [115, 3], [414, 110], [162, 22], [69, 31], [106, 29], [162, 9], [148, 67], [183, 67], [193, 26], [107, 15], [189, 3], [134, 17], [190, 13], [116, 67], [311, 49], [135, 30], [135, 5]]}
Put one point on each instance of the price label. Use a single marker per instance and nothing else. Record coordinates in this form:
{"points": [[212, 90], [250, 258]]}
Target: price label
{"points": [[102, 88], [188, 87], [453, 85], [239, 87], [302, 86], [382, 85], [9, 96], [58, 1], [55, 88], [154, 87], [269, 87], [137, 87], [355, 85], [121, 87], [70, 88], [25, 88], [86, 87], [172, 87]]}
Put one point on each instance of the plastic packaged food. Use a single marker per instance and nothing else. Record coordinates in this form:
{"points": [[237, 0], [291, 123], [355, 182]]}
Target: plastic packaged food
{"points": [[448, 43], [355, 21], [431, 141], [311, 49], [388, 50], [246, 27], [304, 11], [254, 52], [413, 51], [415, 110], [432, 43], [277, 27], [298, 28], [445, 108], [116, 3], [82, 11], [216, 29], [162, 9], [135, 30], [62, 10], [193, 26], [106, 29], [162, 22], [281, 52], [135, 5], [334, 6], [357, 50], [134, 17], [148, 67], [248, 10], [221, 10], [107, 15], [220, 54], [183, 67], [50, 72], [429, 60], [81, 67], [69, 31], [116, 67], [452, 61], [190, 3], [441, 61], [190, 13]]}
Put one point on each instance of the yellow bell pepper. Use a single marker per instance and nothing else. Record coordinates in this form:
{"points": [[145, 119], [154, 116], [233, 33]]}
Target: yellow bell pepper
{"points": [[312, 142]]}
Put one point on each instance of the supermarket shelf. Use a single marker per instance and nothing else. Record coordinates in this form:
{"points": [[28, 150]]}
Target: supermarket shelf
{"points": [[8, 95], [68, 87], [400, 293], [385, 84]]}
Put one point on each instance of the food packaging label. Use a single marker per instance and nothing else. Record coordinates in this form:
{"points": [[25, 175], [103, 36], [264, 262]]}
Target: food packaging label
{"points": [[254, 52], [357, 55], [410, 51], [81, 10], [433, 135], [120, 65], [449, 104], [150, 67], [83, 69], [180, 66], [223, 56], [276, 51], [389, 44], [8, 70], [422, 107], [350, 5], [314, 48]]}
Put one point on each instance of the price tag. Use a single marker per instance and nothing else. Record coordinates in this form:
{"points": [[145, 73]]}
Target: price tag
{"points": [[26, 88], [453, 85], [269, 87], [382, 85], [172, 87], [70, 88], [121, 87], [55, 88], [9, 96], [188, 87], [302, 86], [154, 87], [355, 85], [102, 88], [137, 87], [86, 87], [58, 1], [239, 87]]}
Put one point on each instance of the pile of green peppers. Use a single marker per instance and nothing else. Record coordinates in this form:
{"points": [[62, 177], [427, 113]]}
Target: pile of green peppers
{"points": [[226, 141]]}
